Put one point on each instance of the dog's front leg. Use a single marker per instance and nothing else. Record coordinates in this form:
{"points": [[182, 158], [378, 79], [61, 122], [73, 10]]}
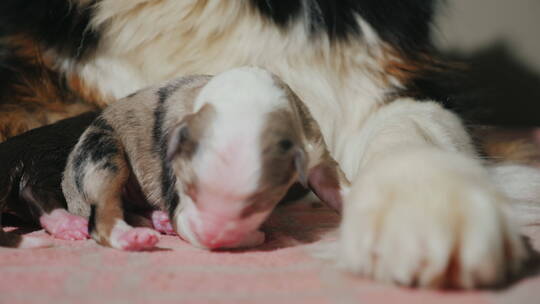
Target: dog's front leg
{"points": [[422, 210], [93, 183]]}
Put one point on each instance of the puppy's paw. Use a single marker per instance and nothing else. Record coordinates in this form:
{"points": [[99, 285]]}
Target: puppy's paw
{"points": [[125, 237], [162, 223], [429, 218], [66, 226], [138, 239]]}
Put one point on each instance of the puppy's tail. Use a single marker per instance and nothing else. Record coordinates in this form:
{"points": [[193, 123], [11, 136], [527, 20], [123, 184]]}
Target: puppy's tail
{"points": [[521, 184]]}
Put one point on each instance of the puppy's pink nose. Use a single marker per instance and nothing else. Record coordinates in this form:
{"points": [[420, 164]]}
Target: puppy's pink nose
{"points": [[213, 233]]}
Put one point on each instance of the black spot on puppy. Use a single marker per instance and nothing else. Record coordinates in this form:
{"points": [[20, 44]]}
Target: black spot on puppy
{"points": [[92, 219], [101, 124], [98, 146], [168, 180], [160, 139], [158, 136]]}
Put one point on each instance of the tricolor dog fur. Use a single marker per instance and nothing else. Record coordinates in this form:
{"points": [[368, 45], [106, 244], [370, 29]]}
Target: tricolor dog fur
{"points": [[216, 153], [368, 74]]}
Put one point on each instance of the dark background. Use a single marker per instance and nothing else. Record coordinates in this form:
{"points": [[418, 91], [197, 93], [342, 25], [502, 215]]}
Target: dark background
{"points": [[499, 40]]}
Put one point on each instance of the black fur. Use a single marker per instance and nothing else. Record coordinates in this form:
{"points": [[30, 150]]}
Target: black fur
{"points": [[102, 125], [168, 180], [32, 165], [92, 219], [20, 77], [59, 24], [403, 24], [159, 115], [160, 137], [98, 145], [27, 85]]}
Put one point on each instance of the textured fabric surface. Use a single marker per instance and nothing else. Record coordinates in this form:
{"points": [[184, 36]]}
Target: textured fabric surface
{"points": [[283, 270]]}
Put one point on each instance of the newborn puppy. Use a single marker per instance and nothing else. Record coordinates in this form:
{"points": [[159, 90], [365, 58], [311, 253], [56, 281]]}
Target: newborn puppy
{"points": [[31, 167], [215, 153]]}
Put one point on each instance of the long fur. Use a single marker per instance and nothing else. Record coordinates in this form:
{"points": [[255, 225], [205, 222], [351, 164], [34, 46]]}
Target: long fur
{"points": [[106, 49]]}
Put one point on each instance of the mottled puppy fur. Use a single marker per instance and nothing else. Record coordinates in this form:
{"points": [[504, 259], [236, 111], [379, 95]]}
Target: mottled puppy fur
{"points": [[194, 150]]}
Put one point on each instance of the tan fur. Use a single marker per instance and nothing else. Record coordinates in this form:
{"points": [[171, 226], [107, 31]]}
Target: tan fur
{"points": [[197, 123], [296, 124], [89, 94], [109, 208], [278, 170], [318, 150], [137, 140], [39, 98], [512, 145]]}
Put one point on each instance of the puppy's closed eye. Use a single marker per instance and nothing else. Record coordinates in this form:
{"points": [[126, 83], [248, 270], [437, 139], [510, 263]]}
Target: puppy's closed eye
{"points": [[285, 145]]}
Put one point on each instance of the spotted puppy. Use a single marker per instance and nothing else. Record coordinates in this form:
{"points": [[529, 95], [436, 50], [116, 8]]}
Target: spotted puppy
{"points": [[215, 153]]}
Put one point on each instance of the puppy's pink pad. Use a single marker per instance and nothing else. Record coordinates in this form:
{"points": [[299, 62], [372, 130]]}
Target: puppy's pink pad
{"points": [[66, 226], [137, 239], [162, 222]]}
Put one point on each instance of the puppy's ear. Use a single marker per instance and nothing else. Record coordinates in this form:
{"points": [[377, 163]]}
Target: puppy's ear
{"points": [[328, 182], [316, 168], [179, 136], [323, 177], [185, 136]]}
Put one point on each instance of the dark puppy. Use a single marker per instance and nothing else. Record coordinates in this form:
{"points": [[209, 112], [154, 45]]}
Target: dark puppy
{"points": [[31, 167]]}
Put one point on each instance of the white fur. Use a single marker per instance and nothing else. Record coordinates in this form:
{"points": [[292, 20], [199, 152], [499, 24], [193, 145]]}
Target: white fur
{"points": [[117, 238], [522, 185], [420, 199], [175, 38], [455, 208], [34, 242], [188, 219], [119, 228], [228, 161], [228, 164], [183, 215]]}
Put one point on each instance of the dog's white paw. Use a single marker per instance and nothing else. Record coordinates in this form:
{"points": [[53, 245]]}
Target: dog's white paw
{"points": [[428, 218]]}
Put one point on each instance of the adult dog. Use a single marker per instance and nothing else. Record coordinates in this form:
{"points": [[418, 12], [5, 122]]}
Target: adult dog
{"points": [[422, 208]]}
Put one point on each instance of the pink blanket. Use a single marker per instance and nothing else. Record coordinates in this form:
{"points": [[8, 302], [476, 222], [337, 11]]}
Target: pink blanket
{"points": [[283, 270]]}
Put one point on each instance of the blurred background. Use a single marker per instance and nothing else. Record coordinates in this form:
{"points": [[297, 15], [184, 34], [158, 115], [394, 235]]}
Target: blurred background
{"points": [[500, 41]]}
